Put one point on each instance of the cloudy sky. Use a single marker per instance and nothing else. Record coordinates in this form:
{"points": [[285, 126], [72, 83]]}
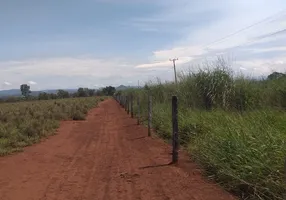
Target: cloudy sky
{"points": [[93, 43]]}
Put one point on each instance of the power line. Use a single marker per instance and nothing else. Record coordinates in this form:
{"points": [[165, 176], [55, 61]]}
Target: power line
{"points": [[249, 41], [245, 28], [255, 39], [273, 33], [271, 18]]}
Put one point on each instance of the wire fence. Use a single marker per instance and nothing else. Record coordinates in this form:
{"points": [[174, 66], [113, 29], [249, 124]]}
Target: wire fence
{"points": [[137, 111], [140, 106]]}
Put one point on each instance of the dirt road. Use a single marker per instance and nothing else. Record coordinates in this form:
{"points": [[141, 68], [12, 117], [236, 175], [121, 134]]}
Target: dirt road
{"points": [[105, 157]]}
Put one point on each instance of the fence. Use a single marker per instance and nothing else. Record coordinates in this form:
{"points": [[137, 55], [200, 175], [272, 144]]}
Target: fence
{"points": [[146, 101], [127, 102], [150, 103]]}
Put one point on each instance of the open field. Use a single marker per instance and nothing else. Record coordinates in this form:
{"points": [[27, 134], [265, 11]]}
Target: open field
{"points": [[234, 127], [25, 123]]}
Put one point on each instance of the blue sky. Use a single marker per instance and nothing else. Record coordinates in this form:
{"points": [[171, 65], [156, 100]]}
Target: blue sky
{"points": [[93, 43]]}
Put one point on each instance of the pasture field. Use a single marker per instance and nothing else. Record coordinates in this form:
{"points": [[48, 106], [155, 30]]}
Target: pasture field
{"points": [[25, 123], [234, 127]]}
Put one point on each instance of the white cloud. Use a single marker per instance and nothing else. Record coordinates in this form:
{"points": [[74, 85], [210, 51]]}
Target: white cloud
{"points": [[165, 64], [263, 66], [7, 83], [161, 58], [32, 82], [263, 50], [65, 66], [73, 72], [182, 51]]}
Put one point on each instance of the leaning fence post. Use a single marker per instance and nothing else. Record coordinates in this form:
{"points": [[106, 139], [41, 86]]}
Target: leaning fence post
{"points": [[131, 105], [284, 195], [125, 103], [122, 101], [149, 115], [175, 129], [138, 111], [128, 100]]}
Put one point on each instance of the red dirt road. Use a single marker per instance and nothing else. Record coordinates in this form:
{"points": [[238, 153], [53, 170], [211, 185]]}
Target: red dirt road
{"points": [[105, 157]]}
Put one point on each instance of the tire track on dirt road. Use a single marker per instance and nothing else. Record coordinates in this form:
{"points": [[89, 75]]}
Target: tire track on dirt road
{"points": [[105, 157]]}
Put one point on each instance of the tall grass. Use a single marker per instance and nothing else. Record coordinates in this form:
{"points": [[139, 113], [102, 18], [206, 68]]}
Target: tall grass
{"points": [[25, 123], [234, 127]]}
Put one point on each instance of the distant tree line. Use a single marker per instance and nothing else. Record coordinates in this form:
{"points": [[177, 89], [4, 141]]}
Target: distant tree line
{"points": [[61, 94]]}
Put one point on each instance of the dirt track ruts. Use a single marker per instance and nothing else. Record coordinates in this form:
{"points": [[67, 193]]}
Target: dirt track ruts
{"points": [[105, 157]]}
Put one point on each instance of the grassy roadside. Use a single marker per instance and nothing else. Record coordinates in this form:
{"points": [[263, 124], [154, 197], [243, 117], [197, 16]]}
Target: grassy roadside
{"points": [[234, 127], [25, 123], [244, 153]]}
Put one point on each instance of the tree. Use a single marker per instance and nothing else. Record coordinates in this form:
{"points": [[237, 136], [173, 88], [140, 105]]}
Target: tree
{"points": [[108, 91], [53, 96], [82, 92], [276, 75], [63, 94], [25, 89], [43, 96], [91, 92]]}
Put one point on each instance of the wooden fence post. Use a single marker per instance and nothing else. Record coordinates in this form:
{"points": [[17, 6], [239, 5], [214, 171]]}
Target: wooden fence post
{"points": [[285, 173], [284, 195], [131, 105], [138, 111], [122, 101], [175, 129], [149, 114], [128, 101]]}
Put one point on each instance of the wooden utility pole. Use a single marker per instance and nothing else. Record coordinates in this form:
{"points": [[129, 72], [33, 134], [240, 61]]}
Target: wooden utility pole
{"points": [[174, 63]]}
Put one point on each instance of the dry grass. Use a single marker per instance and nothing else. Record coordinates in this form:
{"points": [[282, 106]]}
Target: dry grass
{"points": [[24, 123]]}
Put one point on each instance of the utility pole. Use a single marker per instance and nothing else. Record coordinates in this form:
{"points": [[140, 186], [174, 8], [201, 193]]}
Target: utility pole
{"points": [[174, 63]]}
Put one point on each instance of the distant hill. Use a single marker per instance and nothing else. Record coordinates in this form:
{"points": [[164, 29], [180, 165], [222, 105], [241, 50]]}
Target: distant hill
{"points": [[13, 92], [123, 87]]}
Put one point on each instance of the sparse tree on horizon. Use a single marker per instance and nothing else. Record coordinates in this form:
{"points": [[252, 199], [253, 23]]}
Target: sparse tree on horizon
{"points": [[25, 89]]}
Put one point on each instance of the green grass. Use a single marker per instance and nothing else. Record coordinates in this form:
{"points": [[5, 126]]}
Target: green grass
{"points": [[234, 127], [25, 123], [245, 153]]}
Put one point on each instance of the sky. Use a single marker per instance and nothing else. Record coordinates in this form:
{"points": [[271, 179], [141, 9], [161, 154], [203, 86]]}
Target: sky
{"points": [[94, 43]]}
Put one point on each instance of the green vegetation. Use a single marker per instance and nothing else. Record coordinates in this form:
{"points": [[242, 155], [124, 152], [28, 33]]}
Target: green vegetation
{"points": [[25, 123], [234, 127], [25, 90], [27, 94]]}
